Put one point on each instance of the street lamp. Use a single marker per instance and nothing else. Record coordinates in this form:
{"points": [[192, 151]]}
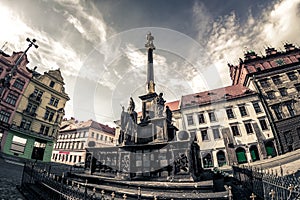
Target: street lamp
{"points": [[5, 82]]}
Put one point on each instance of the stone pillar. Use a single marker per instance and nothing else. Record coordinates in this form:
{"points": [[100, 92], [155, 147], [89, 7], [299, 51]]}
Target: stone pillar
{"points": [[215, 158], [248, 154]]}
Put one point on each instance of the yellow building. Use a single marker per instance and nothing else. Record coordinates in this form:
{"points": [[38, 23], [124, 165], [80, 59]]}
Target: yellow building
{"points": [[37, 120]]}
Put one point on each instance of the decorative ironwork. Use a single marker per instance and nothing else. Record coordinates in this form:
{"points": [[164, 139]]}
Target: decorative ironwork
{"points": [[267, 184]]}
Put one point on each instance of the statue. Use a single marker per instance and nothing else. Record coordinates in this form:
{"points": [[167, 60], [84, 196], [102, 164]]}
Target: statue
{"points": [[150, 39], [131, 107], [160, 104], [169, 115]]}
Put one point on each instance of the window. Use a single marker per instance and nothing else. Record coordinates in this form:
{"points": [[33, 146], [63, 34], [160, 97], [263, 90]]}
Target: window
{"points": [[201, 118], [49, 114], [297, 86], [93, 134], [212, 116], [216, 133], [4, 116], [25, 124], [52, 83], [263, 124], [18, 144], [292, 76], [1, 70], [278, 111], [230, 114], [256, 107], [248, 127], [235, 130], [290, 107], [11, 99], [54, 101], [190, 120], [283, 91], [31, 108], [19, 84], [44, 129], [37, 94], [204, 135], [271, 95], [264, 83], [243, 111], [276, 80], [75, 157], [97, 136]]}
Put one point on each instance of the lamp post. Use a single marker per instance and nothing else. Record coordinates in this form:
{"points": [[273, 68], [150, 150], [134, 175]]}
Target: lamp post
{"points": [[5, 82], [31, 43]]}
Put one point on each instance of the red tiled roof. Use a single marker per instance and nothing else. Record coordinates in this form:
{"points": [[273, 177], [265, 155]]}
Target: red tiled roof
{"points": [[89, 124], [219, 94], [174, 105]]}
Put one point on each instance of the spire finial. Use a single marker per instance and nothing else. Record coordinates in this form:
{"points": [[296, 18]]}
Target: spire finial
{"points": [[150, 39]]}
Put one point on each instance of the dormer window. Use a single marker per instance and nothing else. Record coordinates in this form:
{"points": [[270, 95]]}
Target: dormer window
{"points": [[52, 83]]}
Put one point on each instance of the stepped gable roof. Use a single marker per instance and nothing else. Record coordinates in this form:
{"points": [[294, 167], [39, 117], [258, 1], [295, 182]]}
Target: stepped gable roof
{"points": [[220, 94], [89, 124], [56, 74]]}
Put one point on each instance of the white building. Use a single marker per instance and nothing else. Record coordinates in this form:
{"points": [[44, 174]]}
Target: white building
{"points": [[75, 136], [230, 125]]}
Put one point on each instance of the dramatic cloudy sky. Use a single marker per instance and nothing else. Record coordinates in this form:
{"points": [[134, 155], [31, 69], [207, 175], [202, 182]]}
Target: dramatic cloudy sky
{"points": [[99, 45]]}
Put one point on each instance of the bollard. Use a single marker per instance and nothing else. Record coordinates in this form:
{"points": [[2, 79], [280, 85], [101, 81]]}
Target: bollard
{"points": [[228, 188], [253, 196], [139, 193], [155, 198], [124, 197], [62, 177]]}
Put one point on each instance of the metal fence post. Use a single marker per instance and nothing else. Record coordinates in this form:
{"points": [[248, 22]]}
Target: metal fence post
{"points": [[253, 196], [113, 196], [272, 194], [102, 195], [85, 189], [139, 193]]}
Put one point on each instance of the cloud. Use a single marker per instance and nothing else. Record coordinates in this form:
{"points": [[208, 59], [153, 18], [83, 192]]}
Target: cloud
{"points": [[228, 38]]}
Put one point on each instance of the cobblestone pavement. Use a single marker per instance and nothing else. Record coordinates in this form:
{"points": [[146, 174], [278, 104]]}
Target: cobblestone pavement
{"points": [[8, 190], [10, 176]]}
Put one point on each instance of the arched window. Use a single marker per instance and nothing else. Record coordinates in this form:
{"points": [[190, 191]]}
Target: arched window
{"points": [[254, 153], [270, 149], [207, 160], [241, 155], [221, 158]]}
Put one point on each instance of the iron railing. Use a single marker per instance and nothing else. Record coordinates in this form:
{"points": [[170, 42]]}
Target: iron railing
{"points": [[267, 184]]}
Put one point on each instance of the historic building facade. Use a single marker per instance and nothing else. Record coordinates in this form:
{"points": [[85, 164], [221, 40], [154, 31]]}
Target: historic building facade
{"points": [[37, 119], [229, 124], [14, 78], [74, 137], [275, 77]]}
